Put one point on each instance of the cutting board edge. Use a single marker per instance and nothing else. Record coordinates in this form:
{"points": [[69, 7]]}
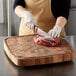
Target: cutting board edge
{"points": [[9, 54]]}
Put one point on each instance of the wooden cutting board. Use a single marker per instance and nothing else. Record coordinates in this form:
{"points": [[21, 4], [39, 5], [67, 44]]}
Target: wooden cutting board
{"points": [[23, 51]]}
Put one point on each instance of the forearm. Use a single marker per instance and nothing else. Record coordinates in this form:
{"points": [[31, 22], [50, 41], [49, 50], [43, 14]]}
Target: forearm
{"points": [[61, 21], [19, 10]]}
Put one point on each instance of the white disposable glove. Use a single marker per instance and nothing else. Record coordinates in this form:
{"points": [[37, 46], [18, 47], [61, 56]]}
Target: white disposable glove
{"points": [[29, 19], [55, 32]]}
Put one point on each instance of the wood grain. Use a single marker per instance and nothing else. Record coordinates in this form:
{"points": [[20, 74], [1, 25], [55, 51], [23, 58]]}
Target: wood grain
{"points": [[23, 51]]}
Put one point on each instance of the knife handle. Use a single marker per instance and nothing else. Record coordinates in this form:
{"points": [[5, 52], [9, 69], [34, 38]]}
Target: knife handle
{"points": [[35, 28]]}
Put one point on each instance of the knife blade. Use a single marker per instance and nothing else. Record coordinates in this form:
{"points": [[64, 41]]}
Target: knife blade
{"points": [[42, 33], [39, 31]]}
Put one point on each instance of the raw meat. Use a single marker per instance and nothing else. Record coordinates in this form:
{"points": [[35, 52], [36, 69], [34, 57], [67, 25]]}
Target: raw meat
{"points": [[39, 40]]}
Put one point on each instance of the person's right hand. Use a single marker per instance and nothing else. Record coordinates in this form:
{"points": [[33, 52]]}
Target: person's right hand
{"points": [[29, 19]]}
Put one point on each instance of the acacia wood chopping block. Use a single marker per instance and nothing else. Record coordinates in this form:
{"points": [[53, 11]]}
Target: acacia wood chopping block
{"points": [[23, 51]]}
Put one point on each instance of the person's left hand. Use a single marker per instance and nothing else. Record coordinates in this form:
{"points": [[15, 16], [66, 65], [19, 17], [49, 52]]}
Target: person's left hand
{"points": [[55, 32]]}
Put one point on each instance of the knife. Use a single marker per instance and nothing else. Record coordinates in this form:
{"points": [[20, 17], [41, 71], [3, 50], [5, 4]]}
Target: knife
{"points": [[42, 33], [39, 31]]}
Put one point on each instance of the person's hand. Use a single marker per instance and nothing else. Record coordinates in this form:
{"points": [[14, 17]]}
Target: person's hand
{"points": [[55, 32], [29, 19]]}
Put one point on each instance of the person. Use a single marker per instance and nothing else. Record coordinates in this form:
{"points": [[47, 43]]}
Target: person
{"points": [[49, 15]]}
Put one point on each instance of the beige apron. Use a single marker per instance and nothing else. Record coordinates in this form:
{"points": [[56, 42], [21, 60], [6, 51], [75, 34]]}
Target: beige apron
{"points": [[41, 10]]}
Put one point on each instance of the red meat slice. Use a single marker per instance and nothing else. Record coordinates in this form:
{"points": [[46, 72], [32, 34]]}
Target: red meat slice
{"points": [[45, 42]]}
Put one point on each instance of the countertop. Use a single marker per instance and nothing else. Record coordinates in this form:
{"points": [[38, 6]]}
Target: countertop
{"points": [[7, 68]]}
